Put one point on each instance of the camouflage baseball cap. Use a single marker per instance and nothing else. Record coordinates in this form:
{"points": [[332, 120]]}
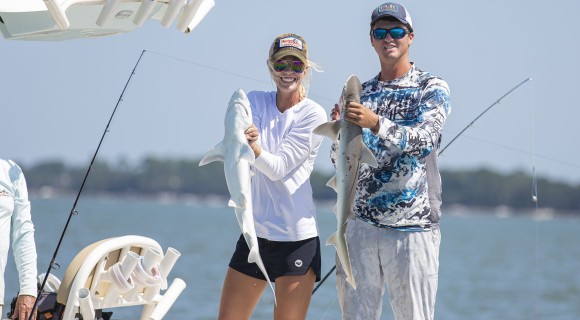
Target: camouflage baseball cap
{"points": [[289, 44]]}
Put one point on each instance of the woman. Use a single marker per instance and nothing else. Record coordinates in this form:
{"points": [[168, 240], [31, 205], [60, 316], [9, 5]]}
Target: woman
{"points": [[284, 212]]}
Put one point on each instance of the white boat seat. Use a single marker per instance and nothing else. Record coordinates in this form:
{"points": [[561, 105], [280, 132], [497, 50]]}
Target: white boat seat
{"points": [[120, 272]]}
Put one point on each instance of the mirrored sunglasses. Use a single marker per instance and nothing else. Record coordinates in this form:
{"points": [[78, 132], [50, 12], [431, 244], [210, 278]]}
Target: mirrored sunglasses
{"points": [[396, 33], [296, 65]]}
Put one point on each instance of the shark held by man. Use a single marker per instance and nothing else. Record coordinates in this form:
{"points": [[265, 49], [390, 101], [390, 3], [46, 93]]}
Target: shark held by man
{"points": [[351, 153]]}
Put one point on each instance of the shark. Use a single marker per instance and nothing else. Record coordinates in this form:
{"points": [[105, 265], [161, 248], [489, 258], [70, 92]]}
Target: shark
{"points": [[238, 156], [351, 153]]}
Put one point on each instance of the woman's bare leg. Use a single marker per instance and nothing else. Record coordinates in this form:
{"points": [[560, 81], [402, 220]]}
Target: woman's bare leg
{"points": [[293, 295], [240, 295]]}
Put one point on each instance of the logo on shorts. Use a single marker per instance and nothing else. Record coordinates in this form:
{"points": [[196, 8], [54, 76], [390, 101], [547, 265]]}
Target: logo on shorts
{"points": [[298, 263]]}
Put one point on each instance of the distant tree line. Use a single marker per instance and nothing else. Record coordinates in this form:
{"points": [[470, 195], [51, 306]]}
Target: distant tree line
{"points": [[481, 188]]}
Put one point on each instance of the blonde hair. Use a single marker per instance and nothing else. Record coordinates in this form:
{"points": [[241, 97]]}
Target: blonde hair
{"points": [[305, 84]]}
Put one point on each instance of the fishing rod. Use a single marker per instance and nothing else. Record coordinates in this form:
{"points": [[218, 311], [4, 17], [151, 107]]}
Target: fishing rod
{"points": [[446, 146], [481, 114], [73, 211]]}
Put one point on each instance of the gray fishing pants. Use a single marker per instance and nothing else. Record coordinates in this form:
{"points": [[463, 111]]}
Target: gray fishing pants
{"points": [[406, 262]]}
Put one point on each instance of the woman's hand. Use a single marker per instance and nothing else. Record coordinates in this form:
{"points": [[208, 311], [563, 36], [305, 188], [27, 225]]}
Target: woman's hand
{"points": [[252, 136]]}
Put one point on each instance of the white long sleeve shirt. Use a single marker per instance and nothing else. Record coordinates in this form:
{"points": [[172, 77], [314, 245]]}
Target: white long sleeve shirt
{"points": [[284, 207], [15, 221]]}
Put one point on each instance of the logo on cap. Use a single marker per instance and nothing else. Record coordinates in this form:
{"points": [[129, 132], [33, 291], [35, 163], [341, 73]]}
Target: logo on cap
{"points": [[386, 7], [291, 42]]}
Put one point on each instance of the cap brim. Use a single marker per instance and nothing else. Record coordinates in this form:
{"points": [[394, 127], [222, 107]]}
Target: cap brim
{"points": [[391, 16], [289, 52]]}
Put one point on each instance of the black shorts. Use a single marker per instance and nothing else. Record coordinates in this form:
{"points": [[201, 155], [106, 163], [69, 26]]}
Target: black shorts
{"points": [[281, 258]]}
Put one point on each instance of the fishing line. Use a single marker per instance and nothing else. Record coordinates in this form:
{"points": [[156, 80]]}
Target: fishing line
{"points": [[444, 148], [237, 74], [89, 169], [535, 202], [209, 67], [529, 153]]}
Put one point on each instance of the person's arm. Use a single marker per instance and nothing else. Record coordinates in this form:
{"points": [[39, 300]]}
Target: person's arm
{"points": [[23, 245], [296, 147], [417, 139]]}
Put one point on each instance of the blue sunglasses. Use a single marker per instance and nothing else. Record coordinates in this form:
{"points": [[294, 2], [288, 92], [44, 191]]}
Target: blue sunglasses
{"points": [[396, 33]]}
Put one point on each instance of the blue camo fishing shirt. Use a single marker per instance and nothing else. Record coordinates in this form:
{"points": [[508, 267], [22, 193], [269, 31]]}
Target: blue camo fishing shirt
{"points": [[412, 110]]}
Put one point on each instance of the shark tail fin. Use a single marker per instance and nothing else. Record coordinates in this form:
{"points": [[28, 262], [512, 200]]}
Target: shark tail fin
{"points": [[254, 257], [343, 256], [215, 154]]}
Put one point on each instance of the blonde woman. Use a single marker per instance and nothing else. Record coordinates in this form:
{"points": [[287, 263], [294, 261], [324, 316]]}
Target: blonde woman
{"points": [[284, 212]]}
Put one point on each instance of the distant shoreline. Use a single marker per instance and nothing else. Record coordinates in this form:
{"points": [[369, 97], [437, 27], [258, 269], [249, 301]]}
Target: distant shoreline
{"points": [[322, 205]]}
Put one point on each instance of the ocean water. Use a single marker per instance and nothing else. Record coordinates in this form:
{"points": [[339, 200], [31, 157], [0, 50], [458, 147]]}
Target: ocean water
{"points": [[508, 267]]}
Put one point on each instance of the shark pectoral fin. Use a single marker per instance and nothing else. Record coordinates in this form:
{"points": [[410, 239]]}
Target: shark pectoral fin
{"points": [[246, 153], [367, 156], [332, 183], [215, 154], [329, 129]]}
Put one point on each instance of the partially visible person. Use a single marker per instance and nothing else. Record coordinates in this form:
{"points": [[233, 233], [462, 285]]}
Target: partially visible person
{"points": [[284, 211], [16, 225], [395, 238]]}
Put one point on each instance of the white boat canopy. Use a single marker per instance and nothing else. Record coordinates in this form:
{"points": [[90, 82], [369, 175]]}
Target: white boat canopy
{"points": [[70, 19]]}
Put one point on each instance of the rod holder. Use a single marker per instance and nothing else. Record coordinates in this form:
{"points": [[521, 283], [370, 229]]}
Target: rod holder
{"points": [[177, 286], [86, 304]]}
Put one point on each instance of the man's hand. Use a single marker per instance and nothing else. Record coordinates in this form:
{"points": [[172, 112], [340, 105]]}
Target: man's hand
{"points": [[23, 307], [362, 116], [335, 112]]}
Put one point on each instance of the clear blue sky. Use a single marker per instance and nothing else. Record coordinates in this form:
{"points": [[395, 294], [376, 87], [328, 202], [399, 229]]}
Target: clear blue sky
{"points": [[57, 96]]}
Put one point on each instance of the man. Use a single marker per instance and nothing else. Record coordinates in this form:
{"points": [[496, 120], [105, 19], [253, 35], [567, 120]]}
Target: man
{"points": [[394, 240], [16, 223]]}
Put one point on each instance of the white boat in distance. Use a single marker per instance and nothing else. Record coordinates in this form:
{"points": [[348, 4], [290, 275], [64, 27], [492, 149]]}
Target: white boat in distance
{"points": [[71, 19]]}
